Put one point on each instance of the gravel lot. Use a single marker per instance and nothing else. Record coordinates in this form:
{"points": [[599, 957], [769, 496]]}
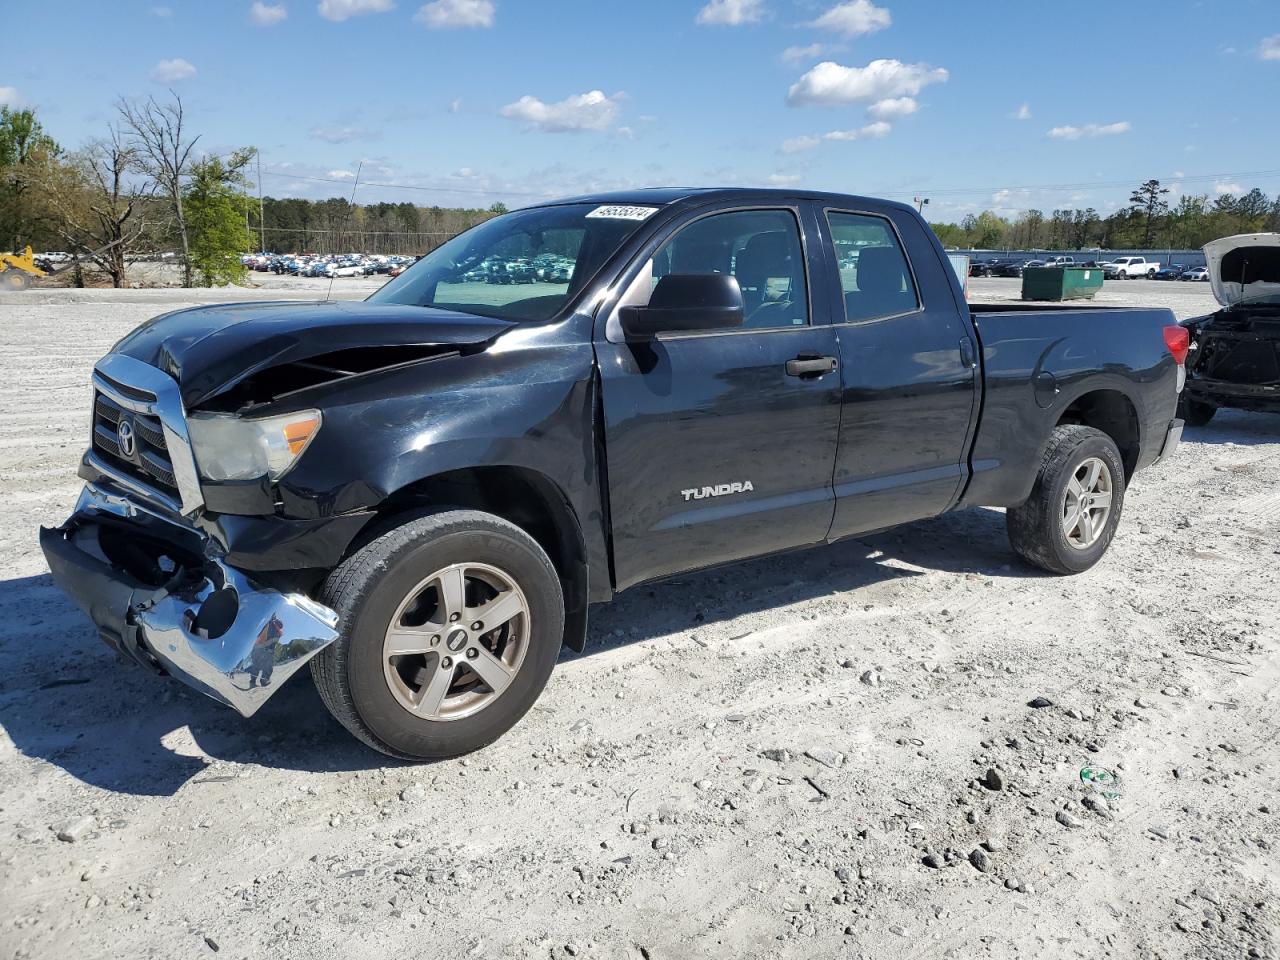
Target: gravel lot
{"points": [[827, 753]]}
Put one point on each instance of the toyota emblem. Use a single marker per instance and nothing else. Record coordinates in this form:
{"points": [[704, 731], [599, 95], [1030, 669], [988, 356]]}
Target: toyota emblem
{"points": [[126, 438]]}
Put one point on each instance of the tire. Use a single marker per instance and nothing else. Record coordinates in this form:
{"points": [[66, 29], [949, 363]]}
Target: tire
{"points": [[13, 279], [1037, 527], [1195, 414], [366, 690]]}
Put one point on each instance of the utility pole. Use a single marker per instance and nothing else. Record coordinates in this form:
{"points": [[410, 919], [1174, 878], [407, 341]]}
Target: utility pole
{"points": [[920, 204], [262, 221]]}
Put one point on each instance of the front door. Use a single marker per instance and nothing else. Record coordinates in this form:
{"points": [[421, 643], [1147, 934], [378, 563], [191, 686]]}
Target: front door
{"points": [[718, 446]]}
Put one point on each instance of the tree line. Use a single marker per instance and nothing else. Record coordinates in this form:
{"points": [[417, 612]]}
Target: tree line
{"points": [[143, 188], [292, 225], [1149, 221]]}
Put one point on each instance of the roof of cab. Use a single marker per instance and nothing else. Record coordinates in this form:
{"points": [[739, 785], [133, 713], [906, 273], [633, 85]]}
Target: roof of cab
{"points": [[663, 196]]}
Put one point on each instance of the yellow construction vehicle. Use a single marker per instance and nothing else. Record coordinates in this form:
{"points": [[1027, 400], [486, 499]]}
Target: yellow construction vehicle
{"points": [[16, 270]]}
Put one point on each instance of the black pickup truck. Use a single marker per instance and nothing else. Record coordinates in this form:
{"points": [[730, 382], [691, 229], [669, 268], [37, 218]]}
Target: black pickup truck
{"points": [[421, 494]]}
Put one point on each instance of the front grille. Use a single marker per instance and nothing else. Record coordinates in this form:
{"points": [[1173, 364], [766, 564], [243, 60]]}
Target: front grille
{"points": [[149, 460]]}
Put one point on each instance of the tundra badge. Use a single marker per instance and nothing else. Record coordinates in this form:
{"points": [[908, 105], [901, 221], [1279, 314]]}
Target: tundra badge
{"points": [[719, 490]]}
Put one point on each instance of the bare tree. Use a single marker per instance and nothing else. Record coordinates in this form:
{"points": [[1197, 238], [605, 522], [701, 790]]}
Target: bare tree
{"points": [[164, 155], [91, 204]]}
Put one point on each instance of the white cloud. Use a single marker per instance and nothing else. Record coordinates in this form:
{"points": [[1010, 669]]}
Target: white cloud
{"points": [[1022, 113], [455, 105], [1269, 49], [1069, 132], [796, 144], [339, 10], [854, 18], [893, 108], [343, 134], [583, 111], [1227, 187], [831, 83], [811, 52], [162, 12], [450, 14], [9, 97], [341, 174], [871, 131], [783, 179], [267, 14], [171, 71], [731, 13]]}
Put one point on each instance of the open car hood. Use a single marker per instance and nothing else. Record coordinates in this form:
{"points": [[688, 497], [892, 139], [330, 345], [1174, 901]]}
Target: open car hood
{"points": [[1244, 266]]}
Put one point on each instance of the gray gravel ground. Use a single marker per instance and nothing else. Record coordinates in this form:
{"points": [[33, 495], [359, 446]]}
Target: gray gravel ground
{"points": [[829, 753]]}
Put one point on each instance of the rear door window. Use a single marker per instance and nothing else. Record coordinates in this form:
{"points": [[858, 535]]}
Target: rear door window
{"points": [[875, 277]]}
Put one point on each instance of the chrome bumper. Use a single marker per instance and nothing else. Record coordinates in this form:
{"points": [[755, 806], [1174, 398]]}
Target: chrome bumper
{"points": [[208, 624]]}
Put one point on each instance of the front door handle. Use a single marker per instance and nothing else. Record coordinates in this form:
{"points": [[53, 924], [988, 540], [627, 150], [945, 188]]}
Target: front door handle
{"points": [[967, 356], [810, 366]]}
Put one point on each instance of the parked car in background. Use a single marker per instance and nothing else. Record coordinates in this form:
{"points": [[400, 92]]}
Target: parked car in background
{"points": [[983, 268], [1131, 268], [1235, 352], [1058, 261], [1195, 273], [1011, 268], [1173, 271]]}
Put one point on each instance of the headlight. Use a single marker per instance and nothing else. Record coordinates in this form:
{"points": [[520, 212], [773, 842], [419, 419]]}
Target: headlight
{"points": [[228, 447]]}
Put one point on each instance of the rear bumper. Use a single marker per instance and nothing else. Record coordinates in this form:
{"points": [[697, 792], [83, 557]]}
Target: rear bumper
{"points": [[1172, 437], [200, 620]]}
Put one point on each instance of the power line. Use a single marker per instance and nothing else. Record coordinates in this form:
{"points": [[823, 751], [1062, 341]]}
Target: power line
{"points": [[409, 186]]}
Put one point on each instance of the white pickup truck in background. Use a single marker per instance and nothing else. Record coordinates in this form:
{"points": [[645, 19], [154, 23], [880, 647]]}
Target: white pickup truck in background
{"points": [[1129, 268]]}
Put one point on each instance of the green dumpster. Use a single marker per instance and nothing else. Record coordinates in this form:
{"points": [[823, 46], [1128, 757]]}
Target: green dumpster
{"points": [[1061, 283]]}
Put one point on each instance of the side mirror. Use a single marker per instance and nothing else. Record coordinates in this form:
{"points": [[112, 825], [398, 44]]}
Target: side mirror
{"points": [[697, 301]]}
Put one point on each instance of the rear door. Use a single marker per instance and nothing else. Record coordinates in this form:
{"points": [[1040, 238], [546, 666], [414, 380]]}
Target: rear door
{"points": [[910, 388], [718, 446]]}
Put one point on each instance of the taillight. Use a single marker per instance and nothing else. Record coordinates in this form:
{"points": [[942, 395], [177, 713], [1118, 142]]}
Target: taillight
{"points": [[1178, 340]]}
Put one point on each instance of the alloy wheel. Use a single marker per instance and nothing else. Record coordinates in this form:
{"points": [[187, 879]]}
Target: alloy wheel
{"points": [[456, 641], [1087, 504]]}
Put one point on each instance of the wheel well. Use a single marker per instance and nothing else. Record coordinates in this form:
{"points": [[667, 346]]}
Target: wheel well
{"points": [[1113, 413], [529, 500]]}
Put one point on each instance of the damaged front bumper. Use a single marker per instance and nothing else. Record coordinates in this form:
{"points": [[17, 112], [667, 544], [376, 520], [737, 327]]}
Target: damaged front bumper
{"points": [[157, 592]]}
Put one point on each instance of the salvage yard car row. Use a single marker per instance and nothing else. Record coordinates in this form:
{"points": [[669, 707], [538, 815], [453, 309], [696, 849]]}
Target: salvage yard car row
{"points": [[1121, 268]]}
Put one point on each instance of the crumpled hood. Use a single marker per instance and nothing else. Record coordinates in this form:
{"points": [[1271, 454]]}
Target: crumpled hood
{"points": [[1244, 266], [209, 349]]}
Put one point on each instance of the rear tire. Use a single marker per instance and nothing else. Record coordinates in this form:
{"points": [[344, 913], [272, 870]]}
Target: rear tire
{"points": [[1069, 520], [381, 697], [1195, 414]]}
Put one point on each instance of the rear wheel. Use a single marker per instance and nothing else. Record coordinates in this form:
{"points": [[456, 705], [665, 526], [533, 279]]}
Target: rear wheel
{"points": [[1069, 520], [1195, 414], [450, 627]]}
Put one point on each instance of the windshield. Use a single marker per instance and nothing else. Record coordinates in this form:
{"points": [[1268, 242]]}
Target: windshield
{"points": [[525, 265]]}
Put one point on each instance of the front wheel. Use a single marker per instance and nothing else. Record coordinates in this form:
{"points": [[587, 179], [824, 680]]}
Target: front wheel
{"points": [[450, 626], [1067, 523]]}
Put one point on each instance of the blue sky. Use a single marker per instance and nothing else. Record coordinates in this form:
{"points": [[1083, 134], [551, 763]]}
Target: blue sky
{"points": [[480, 100]]}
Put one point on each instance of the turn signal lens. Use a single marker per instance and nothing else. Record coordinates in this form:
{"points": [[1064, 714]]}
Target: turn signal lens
{"points": [[299, 433], [1178, 340]]}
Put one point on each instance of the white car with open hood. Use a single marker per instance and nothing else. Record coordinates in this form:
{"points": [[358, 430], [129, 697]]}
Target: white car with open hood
{"points": [[1235, 351]]}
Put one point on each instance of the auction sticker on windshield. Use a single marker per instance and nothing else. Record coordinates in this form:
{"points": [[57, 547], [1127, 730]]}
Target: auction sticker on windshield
{"points": [[620, 212]]}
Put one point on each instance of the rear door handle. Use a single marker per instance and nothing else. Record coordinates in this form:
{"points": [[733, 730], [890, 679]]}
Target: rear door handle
{"points": [[810, 366]]}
